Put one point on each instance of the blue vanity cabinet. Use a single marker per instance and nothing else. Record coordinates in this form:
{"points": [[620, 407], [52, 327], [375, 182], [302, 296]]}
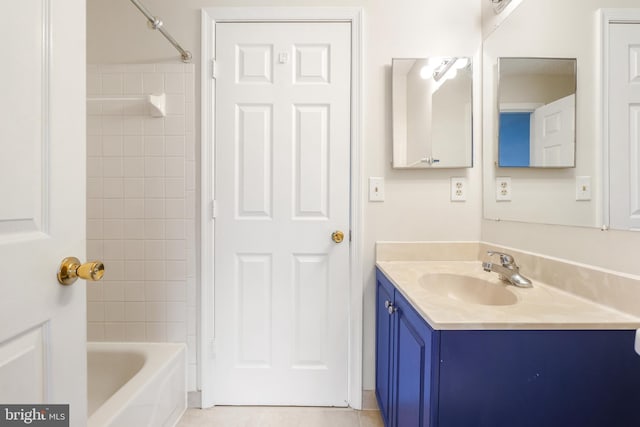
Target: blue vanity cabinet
{"points": [[500, 378], [406, 363]]}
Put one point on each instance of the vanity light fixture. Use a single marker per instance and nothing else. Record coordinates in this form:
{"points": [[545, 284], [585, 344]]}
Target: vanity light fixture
{"points": [[443, 68], [499, 5]]}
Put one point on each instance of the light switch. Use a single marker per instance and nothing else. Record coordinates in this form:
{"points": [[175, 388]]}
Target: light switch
{"points": [[376, 189], [583, 188]]}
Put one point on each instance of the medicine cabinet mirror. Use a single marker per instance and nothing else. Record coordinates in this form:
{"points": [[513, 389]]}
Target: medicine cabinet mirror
{"points": [[431, 109], [536, 106]]}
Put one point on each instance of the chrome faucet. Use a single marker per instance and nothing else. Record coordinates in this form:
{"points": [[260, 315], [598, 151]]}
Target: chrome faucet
{"points": [[507, 269]]}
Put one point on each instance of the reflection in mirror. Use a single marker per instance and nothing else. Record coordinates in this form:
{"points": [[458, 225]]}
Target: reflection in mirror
{"points": [[431, 110], [536, 104]]}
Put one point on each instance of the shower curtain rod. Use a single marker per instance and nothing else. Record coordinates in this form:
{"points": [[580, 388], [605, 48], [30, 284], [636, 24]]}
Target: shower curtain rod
{"points": [[156, 24]]}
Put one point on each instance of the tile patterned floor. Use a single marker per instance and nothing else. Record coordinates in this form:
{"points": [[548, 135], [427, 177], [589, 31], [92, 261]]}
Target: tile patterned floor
{"points": [[259, 416]]}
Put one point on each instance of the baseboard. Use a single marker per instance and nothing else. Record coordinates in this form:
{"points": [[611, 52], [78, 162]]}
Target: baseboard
{"points": [[194, 399], [369, 401]]}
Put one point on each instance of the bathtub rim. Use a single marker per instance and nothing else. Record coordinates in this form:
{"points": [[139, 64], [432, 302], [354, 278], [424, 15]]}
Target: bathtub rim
{"points": [[157, 356]]}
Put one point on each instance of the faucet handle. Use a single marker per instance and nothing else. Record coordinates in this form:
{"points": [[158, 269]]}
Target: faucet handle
{"points": [[505, 259]]}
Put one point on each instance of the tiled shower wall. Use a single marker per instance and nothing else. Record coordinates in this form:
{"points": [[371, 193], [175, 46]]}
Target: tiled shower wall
{"points": [[141, 205]]}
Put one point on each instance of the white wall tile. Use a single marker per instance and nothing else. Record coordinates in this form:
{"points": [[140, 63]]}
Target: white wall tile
{"points": [[174, 83], [154, 270], [95, 311], [114, 311], [133, 145], [154, 250], [112, 188], [174, 167], [113, 291], [135, 331], [174, 229], [132, 125], [176, 312], [134, 249], [154, 229], [134, 291], [112, 84], [111, 125], [176, 331], [133, 188], [134, 270], [154, 145], [95, 331], [156, 331], [175, 104], [174, 208], [141, 184], [155, 291], [133, 167], [94, 208], [94, 229], [134, 311], [133, 208], [175, 250], [113, 249], [134, 228], [114, 331], [113, 270], [173, 125], [177, 291], [156, 311], [113, 209], [132, 83], [154, 166], [112, 166], [174, 188], [154, 188], [152, 83], [174, 145], [113, 229]]}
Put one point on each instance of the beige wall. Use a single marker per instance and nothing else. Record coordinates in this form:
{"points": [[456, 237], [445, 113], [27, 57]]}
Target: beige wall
{"points": [[417, 205], [563, 29]]}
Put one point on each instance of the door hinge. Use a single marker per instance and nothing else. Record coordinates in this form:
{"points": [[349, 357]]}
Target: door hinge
{"points": [[214, 69], [214, 209], [349, 235]]}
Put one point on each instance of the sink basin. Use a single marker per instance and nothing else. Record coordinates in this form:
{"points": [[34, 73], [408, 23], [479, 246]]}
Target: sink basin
{"points": [[468, 289]]}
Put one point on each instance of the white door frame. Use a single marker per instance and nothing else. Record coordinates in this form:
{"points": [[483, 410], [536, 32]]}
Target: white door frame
{"points": [[210, 17], [607, 17]]}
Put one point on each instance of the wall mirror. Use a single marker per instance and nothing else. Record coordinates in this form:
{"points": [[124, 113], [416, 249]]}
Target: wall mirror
{"points": [[570, 194], [431, 109], [536, 107]]}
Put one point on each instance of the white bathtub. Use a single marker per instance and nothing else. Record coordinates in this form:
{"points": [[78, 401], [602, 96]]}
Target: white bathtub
{"points": [[136, 384]]}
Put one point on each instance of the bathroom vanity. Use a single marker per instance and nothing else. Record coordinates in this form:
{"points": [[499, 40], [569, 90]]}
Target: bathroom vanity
{"points": [[461, 358]]}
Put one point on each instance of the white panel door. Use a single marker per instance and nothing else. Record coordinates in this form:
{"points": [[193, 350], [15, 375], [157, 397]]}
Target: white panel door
{"points": [[624, 126], [282, 148], [42, 203], [553, 134]]}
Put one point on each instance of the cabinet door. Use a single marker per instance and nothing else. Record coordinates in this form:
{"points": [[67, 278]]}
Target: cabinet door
{"points": [[414, 373], [384, 346]]}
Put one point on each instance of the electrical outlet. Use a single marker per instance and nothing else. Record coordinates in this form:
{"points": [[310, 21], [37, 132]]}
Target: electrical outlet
{"points": [[583, 188], [376, 189], [503, 189], [458, 189]]}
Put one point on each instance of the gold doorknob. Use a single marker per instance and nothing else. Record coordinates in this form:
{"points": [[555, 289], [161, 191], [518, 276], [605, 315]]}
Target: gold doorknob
{"points": [[71, 268], [337, 236]]}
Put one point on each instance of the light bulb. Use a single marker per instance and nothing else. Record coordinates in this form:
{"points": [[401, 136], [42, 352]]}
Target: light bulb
{"points": [[426, 72]]}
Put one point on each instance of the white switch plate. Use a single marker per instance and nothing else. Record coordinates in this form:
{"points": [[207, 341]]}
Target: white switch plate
{"points": [[503, 188], [583, 188], [376, 189], [458, 189]]}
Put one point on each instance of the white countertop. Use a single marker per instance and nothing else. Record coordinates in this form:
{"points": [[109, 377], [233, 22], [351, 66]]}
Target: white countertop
{"points": [[539, 307]]}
